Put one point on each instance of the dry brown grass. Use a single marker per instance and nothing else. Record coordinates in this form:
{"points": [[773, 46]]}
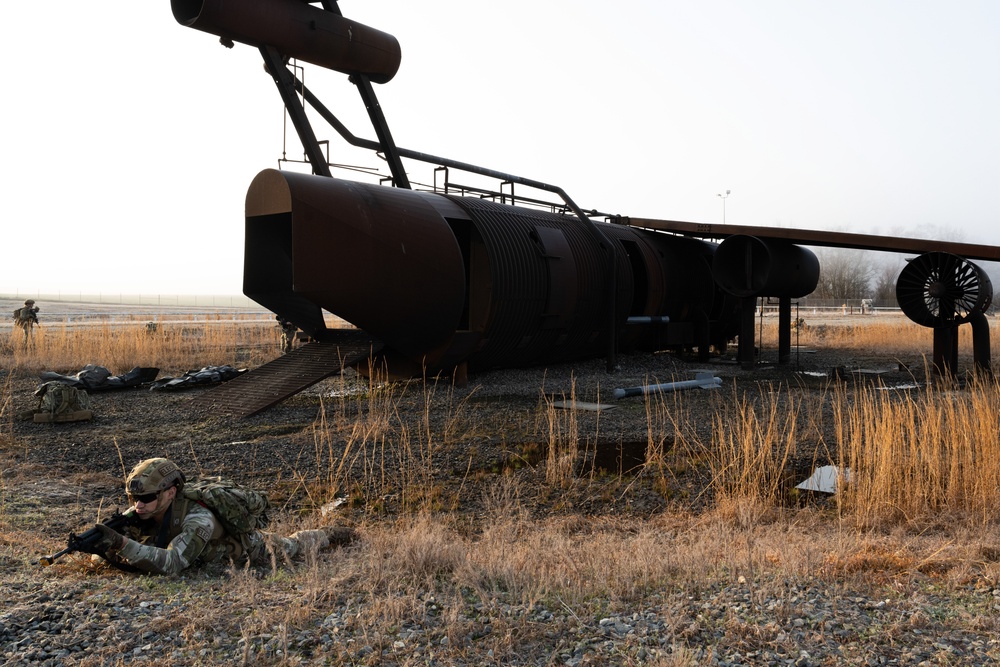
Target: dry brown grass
{"points": [[914, 457], [561, 437], [911, 455], [891, 335], [922, 457], [920, 507], [172, 347]]}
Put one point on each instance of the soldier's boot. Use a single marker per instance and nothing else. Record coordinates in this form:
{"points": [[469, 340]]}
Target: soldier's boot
{"points": [[305, 542], [340, 536], [312, 541]]}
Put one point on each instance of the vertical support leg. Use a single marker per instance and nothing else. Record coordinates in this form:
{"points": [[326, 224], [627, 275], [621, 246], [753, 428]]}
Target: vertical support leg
{"points": [[784, 329], [981, 343], [399, 177], [946, 350], [745, 352], [285, 82], [702, 334]]}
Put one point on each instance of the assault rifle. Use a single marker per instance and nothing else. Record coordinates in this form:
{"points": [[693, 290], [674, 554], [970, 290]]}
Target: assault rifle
{"points": [[87, 542]]}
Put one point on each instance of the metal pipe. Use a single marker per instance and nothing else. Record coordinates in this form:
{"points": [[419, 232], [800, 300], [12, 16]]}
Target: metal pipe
{"points": [[298, 30], [702, 380]]}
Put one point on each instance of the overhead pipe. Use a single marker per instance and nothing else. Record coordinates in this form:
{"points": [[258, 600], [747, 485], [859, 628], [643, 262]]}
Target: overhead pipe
{"points": [[297, 30]]}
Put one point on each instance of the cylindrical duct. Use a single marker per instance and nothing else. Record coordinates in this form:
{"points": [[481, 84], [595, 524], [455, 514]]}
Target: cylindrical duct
{"points": [[939, 289], [749, 266], [299, 30], [384, 259]]}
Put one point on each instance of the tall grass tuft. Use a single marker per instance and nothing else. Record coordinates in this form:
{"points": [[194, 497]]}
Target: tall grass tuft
{"points": [[373, 455], [674, 445], [754, 441], [563, 439], [6, 410], [912, 455]]}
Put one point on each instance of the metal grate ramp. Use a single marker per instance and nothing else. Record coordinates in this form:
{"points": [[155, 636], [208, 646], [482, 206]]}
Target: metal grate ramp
{"points": [[259, 389]]}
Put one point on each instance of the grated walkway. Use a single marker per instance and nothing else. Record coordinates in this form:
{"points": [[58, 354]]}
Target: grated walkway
{"points": [[259, 389]]}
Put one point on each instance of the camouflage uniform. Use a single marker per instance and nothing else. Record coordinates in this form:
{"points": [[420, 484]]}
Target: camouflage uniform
{"points": [[27, 318], [189, 533], [288, 331]]}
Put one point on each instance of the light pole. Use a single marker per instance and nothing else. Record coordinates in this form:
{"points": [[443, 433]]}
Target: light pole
{"points": [[723, 197]]}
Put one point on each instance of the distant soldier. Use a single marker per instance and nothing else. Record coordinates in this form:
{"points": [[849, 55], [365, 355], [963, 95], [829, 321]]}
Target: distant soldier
{"points": [[176, 532], [27, 318], [288, 331]]}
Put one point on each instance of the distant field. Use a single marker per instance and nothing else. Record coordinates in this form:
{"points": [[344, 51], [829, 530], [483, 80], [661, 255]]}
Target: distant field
{"points": [[153, 308], [86, 313]]}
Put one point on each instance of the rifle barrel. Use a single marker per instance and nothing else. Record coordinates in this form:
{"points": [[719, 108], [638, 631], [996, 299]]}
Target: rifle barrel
{"points": [[85, 541]]}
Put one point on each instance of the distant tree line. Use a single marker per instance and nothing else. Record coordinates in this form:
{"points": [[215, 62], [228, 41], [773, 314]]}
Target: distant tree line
{"points": [[846, 275]]}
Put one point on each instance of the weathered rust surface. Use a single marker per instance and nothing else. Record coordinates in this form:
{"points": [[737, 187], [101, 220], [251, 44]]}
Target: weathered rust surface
{"points": [[813, 237], [298, 30], [752, 266], [383, 259], [444, 280], [287, 375]]}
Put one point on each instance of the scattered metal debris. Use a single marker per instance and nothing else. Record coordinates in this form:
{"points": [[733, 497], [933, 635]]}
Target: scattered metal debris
{"points": [[826, 479], [332, 505], [701, 380], [582, 405]]}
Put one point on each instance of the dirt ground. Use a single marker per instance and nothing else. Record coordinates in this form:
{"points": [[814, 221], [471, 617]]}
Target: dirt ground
{"points": [[368, 453], [459, 437]]}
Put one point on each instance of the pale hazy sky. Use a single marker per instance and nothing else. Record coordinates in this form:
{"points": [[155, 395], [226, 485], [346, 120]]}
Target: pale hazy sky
{"points": [[130, 141]]}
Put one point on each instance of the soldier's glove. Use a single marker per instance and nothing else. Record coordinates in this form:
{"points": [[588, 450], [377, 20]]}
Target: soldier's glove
{"points": [[110, 541]]}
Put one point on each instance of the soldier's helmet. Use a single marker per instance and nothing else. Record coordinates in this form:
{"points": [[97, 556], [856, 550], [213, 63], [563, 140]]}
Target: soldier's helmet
{"points": [[153, 476], [29, 302]]}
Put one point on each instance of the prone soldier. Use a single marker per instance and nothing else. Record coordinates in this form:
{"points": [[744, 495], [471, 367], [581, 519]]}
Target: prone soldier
{"points": [[173, 532]]}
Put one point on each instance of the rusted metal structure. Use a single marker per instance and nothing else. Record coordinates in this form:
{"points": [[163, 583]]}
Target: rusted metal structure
{"points": [[939, 288], [446, 283]]}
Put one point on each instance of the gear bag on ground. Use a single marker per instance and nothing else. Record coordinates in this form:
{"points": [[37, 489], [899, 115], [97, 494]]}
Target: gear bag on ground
{"points": [[56, 398]]}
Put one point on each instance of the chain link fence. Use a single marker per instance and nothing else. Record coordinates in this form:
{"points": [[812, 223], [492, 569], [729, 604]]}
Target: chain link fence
{"points": [[160, 300]]}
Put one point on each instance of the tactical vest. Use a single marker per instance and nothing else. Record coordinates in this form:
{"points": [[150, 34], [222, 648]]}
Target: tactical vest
{"points": [[25, 315]]}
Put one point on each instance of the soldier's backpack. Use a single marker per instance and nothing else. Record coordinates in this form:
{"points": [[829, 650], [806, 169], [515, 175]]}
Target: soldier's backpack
{"points": [[18, 320], [56, 400], [239, 509]]}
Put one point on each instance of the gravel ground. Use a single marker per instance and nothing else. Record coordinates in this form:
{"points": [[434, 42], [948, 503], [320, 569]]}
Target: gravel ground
{"points": [[106, 620], [56, 477]]}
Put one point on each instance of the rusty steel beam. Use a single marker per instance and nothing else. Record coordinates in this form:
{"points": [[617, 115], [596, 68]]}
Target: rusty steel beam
{"points": [[283, 79], [814, 237], [297, 30]]}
